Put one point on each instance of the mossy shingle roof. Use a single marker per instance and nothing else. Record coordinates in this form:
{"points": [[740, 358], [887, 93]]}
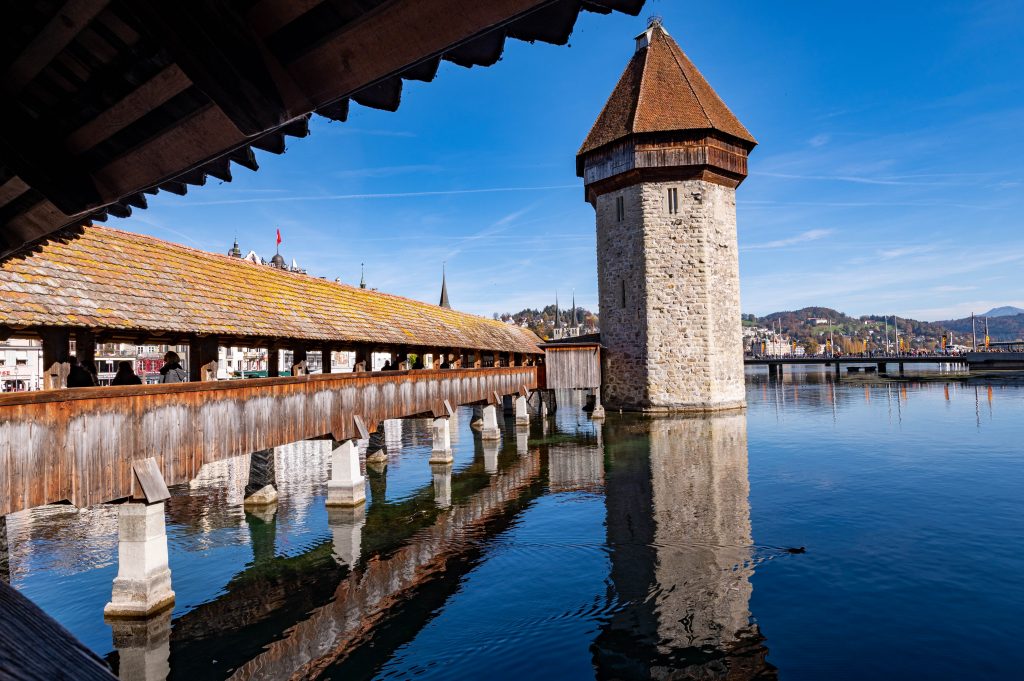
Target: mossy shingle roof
{"points": [[108, 279]]}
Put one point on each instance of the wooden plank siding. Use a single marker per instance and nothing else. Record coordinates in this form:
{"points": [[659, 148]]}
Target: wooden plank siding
{"points": [[79, 445], [572, 367]]}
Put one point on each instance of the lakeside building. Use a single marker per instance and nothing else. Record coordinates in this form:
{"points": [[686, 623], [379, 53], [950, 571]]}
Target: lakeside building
{"points": [[21, 365]]}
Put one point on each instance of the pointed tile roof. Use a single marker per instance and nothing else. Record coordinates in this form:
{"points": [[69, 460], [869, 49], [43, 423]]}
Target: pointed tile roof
{"points": [[661, 91]]}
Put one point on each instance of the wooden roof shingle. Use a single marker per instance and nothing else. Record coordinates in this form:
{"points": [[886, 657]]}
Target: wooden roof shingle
{"points": [[120, 282]]}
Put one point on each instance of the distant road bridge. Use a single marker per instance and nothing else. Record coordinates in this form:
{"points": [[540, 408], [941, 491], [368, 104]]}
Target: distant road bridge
{"points": [[858, 364]]}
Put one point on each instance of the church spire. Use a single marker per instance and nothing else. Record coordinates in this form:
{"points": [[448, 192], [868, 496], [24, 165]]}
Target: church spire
{"points": [[362, 275], [444, 289]]}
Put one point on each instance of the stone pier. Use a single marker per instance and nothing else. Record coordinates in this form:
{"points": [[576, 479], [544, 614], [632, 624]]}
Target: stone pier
{"points": [[490, 429], [441, 449], [261, 489], [347, 486], [522, 410], [143, 583], [376, 448]]}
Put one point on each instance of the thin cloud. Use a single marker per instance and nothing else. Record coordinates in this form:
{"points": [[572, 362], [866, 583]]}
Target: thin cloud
{"points": [[386, 195], [902, 252], [802, 237], [386, 171], [895, 180]]}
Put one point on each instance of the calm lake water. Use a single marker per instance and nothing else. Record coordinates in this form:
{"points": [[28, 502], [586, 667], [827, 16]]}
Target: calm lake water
{"points": [[642, 548]]}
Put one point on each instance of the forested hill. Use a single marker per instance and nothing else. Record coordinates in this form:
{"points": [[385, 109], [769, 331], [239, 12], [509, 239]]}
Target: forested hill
{"points": [[816, 322], [1005, 328]]}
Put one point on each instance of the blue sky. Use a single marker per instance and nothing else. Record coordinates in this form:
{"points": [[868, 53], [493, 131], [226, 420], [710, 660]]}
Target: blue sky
{"points": [[887, 180]]}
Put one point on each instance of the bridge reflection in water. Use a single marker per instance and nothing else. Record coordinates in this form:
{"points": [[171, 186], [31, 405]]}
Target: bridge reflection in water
{"points": [[677, 540]]}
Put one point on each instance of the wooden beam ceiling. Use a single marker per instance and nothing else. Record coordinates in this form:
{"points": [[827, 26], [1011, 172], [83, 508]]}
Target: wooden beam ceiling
{"points": [[107, 99]]}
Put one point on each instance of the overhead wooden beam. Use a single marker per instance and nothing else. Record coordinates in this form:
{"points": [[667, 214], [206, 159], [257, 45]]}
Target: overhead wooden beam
{"points": [[371, 51], [223, 56], [61, 30], [29, 149], [151, 94]]}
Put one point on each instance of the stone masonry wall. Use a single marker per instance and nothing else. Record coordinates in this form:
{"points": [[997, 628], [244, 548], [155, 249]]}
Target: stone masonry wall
{"points": [[676, 343]]}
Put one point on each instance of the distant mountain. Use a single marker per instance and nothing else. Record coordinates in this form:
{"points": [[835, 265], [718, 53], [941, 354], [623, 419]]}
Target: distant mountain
{"points": [[1005, 311], [1006, 327]]}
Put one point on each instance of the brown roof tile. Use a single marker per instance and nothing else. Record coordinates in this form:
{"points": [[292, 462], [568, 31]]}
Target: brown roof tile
{"points": [[110, 279], [661, 91]]}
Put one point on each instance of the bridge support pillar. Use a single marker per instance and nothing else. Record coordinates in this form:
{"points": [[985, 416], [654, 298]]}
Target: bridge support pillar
{"points": [[143, 583], [901, 368], [347, 532], [376, 449], [597, 413], [522, 411], [838, 369], [441, 451], [262, 487], [477, 421], [143, 647], [442, 478], [508, 405], [347, 486], [490, 429], [881, 367]]}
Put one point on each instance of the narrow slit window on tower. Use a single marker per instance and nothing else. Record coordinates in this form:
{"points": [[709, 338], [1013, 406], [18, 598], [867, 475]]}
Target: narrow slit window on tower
{"points": [[622, 299], [673, 201], [620, 208]]}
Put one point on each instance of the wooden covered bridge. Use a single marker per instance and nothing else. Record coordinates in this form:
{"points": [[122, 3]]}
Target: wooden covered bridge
{"points": [[98, 444]]}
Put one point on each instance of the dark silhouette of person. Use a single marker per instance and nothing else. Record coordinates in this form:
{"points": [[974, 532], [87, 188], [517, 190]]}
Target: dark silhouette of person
{"points": [[418, 364], [125, 375], [79, 376], [387, 365]]}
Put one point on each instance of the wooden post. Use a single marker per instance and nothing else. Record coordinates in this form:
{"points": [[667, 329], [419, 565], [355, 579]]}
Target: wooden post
{"points": [[325, 359], [298, 367], [273, 361], [202, 358], [56, 358], [362, 358], [85, 349]]}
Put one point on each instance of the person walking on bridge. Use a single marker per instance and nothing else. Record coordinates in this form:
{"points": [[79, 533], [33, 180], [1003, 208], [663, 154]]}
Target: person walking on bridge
{"points": [[125, 375], [171, 371]]}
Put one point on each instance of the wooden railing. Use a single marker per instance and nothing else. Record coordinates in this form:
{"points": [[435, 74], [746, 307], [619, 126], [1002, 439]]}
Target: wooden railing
{"points": [[79, 445]]}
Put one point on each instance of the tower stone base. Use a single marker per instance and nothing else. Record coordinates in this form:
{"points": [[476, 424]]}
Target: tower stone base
{"points": [[669, 298]]}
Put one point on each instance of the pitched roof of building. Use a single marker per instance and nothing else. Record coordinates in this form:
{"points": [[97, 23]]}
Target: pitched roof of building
{"points": [[661, 91], [108, 279]]}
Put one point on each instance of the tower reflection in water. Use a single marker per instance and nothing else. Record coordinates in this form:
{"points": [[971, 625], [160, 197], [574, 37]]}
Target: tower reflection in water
{"points": [[678, 524]]}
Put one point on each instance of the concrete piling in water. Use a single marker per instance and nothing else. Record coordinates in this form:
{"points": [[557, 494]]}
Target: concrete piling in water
{"points": [[441, 448], [347, 486], [490, 427], [261, 489], [143, 583]]}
